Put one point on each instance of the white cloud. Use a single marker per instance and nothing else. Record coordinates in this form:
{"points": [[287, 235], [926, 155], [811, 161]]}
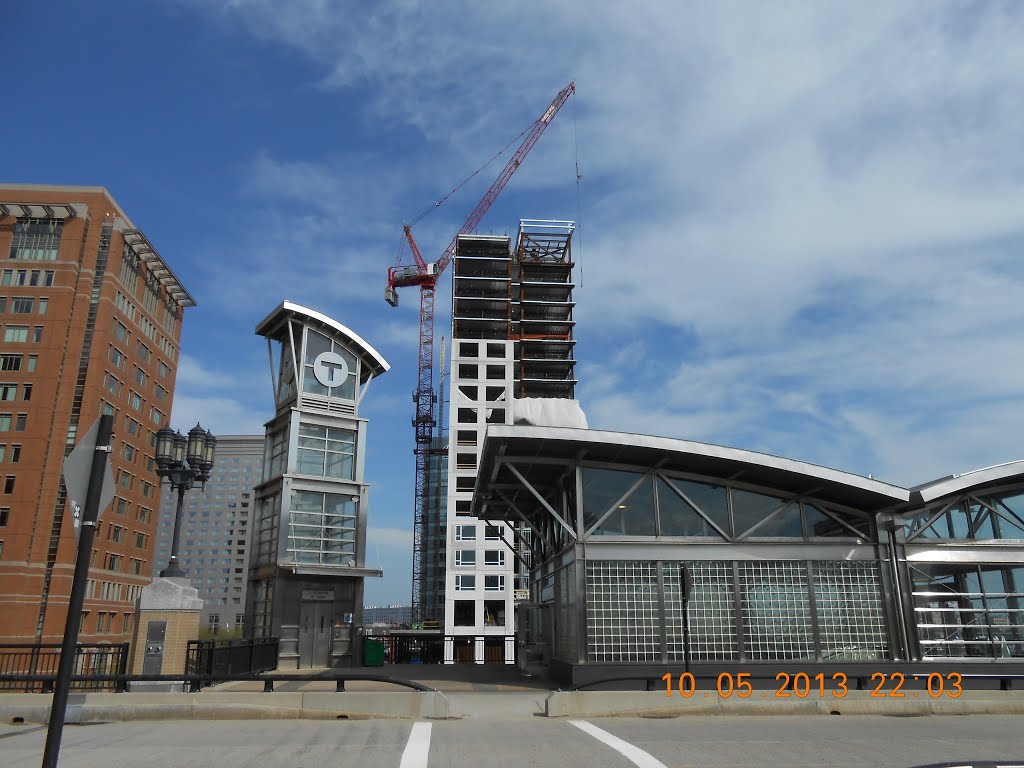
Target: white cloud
{"points": [[801, 224], [220, 415]]}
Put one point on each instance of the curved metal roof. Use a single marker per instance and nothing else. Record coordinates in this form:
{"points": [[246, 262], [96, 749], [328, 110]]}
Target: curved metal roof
{"points": [[287, 309], [525, 442], [976, 479]]}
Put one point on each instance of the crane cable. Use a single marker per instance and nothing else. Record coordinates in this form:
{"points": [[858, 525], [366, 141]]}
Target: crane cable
{"points": [[465, 181], [579, 178]]}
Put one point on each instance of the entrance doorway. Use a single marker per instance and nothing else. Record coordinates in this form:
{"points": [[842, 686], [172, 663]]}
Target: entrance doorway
{"points": [[315, 634]]}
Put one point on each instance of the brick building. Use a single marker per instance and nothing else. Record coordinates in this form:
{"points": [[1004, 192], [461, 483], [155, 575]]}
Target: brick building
{"points": [[90, 322]]}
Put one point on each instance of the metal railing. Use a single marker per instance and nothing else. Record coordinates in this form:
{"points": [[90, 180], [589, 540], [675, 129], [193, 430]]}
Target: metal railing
{"points": [[401, 649], [195, 682], [32, 667], [231, 657]]}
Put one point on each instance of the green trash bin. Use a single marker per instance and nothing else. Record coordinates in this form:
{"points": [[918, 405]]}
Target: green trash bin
{"points": [[373, 653]]}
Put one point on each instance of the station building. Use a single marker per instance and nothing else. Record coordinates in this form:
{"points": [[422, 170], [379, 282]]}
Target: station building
{"points": [[787, 563], [307, 557]]}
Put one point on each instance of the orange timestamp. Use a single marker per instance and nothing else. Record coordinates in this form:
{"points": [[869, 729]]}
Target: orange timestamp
{"points": [[800, 685]]}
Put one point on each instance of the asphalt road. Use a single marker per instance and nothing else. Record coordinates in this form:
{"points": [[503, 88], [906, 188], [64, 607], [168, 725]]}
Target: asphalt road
{"points": [[709, 742]]}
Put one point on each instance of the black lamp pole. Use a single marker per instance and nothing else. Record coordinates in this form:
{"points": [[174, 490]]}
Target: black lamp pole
{"points": [[183, 461]]}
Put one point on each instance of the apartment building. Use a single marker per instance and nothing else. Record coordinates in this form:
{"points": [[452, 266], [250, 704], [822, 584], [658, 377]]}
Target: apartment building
{"points": [[90, 323]]}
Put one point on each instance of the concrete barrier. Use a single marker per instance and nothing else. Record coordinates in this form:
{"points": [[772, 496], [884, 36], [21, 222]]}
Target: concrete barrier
{"points": [[657, 704], [105, 707]]}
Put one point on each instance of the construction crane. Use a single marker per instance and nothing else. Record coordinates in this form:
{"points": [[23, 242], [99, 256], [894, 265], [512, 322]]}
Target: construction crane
{"points": [[425, 275]]}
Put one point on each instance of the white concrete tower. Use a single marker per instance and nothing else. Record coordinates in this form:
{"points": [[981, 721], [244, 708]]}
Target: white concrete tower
{"points": [[511, 338]]}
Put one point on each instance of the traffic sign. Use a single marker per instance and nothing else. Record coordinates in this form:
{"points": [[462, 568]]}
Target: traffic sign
{"points": [[77, 467]]}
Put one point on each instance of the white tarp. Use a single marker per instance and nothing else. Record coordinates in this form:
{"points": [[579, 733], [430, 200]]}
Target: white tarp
{"points": [[548, 412]]}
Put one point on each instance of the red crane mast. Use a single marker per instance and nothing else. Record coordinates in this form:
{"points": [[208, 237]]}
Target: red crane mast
{"points": [[426, 274]]}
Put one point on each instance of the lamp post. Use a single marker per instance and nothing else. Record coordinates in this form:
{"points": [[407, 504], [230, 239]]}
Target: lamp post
{"points": [[182, 461]]}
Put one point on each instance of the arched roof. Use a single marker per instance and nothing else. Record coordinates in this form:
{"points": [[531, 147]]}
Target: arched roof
{"points": [[976, 479], [554, 443], [273, 324]]}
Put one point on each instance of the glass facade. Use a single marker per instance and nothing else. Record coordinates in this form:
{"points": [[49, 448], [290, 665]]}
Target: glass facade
{"points": [[977, 517], [326, 451], [317, 344], [967, 610], [36, 239], [620, 502], [322, 528]]}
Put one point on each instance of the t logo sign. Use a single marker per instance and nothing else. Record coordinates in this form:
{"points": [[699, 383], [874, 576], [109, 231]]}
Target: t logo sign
{"points": [[330, 369]]}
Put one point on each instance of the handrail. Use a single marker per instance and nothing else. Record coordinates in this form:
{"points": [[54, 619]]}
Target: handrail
{"points": [[195, 681]]}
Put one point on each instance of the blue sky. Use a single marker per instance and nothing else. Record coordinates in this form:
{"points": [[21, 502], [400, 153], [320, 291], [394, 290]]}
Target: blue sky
{"points": [[800, 224]]}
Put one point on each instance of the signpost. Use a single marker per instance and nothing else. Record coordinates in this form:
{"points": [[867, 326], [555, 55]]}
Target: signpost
{"points": [[96, 446]]}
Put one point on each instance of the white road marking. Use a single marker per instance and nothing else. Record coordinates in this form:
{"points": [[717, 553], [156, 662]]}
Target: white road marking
{"points": [[635, 755], [418, 747]]}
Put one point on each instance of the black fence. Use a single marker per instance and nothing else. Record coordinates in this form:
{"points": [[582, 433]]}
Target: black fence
{"points": [[406, 649], [42, 659], [231, 657]]}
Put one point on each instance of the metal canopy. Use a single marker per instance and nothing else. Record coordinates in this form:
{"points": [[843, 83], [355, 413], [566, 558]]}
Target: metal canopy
{"points": [[542, 453]]}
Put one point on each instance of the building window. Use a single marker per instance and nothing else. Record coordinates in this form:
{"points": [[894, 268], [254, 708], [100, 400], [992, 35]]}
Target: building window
{"points": [[15, 453], [16, 333], [465, 582], [464, 557], [322, 528], [36, 239], [492, 533], [5, 422], [494, 583], [26, 392], [494, 613], [494, 557], [8, 391], [134, 400], [120, 331], [20, 422], [20, 306], [464, 614], [465, 533], [37, 334], [5, 513], [43, 306], [327, 452], [9, 484], [117, 357], [32, 363], [10, 362], [316, 344]]}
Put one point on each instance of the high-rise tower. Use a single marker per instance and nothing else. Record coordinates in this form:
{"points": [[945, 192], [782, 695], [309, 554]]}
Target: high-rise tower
{"points": [[512, 343]]}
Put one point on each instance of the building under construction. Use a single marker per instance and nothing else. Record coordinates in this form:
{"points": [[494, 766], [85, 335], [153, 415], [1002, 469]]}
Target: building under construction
{"points": [[512, 357]]}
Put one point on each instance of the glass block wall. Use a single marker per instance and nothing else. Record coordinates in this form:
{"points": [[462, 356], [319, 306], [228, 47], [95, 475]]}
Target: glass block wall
{"points": [[772, 599]]}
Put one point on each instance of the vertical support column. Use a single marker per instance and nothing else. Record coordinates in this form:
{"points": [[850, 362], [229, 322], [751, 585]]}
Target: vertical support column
{"points": [[449, 650], [478, 650]]}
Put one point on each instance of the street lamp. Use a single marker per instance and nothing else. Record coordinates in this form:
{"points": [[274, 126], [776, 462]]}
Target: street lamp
{"points": [[182, 461]]}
